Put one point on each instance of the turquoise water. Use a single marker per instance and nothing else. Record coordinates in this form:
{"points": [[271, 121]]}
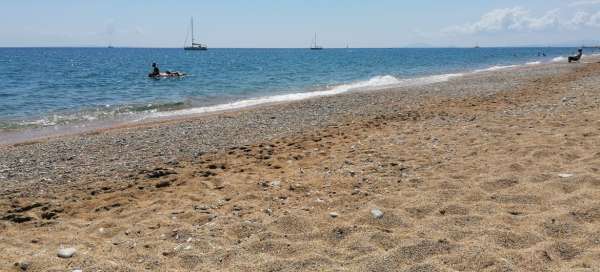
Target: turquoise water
{"points": [[41, 87]]}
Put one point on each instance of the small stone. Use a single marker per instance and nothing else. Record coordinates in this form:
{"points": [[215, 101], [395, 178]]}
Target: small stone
{"points": [[377, 213], [48, 215], [157, 173], [334, 214], [173, 162], [23, 265], [162, 184], [66, 252], [566, 175], [77, 270], [275, 183]]}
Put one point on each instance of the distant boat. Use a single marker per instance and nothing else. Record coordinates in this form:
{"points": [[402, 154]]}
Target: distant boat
{"points": [[315, 45], [194, 46]]}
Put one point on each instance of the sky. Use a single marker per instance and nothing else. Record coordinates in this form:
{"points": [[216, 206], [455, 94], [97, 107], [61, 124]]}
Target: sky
{"points": [[292, 23]]}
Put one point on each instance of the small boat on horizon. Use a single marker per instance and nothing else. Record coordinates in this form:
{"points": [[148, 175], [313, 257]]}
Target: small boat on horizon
{"points": [[315, 45], [194, 46]]}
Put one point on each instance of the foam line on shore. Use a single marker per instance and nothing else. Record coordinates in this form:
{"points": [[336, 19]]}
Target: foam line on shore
{"points": [[374, 83], [495, 68]]}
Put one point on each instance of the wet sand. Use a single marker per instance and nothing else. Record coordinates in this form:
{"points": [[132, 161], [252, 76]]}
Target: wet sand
{"points": [[489, 172]]}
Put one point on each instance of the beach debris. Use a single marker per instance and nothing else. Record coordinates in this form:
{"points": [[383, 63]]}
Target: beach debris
{"points": [[334, 214], [77, 270], [66, 253], [566, 175], [376, 213], [275, 184]]}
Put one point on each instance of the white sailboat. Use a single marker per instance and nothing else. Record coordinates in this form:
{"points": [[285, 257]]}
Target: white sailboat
{"points": [[194, 46], [315, 45]]}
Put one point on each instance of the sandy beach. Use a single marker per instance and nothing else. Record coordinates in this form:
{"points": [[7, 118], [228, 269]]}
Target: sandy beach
{"points": [[495, 171]]}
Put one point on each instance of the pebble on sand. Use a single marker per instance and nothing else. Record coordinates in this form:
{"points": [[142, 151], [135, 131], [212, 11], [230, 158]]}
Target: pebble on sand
{"points": [[23, 265], [334, 214], [66, 252], [566, 175], [377, 213]]}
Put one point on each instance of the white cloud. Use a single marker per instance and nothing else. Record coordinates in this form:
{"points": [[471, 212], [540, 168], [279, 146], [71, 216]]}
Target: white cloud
{"points": [[584, 3], [580, 18], [520, 19], [583, 19], [516, 18]]}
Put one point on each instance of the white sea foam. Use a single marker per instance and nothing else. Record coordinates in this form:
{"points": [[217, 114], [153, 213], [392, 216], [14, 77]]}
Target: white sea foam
{"points": [[591, 55], [374, 83], [533, 63], [495, 68], [559, 59]]}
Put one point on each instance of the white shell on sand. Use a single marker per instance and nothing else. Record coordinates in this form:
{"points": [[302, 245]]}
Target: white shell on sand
{"points": [[377, 213], [566, 175], [66, 252]]}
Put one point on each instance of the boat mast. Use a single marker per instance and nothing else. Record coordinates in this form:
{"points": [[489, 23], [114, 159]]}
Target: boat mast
{"points": [[315, 39], [192, 24]]}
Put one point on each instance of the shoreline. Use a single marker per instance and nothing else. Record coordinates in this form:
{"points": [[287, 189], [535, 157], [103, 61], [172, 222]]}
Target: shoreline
{"points": [[23, 136], [489, 172], [309, 114]]}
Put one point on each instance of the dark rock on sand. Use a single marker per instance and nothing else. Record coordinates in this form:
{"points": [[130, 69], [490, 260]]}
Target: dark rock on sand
{"points": [[48, 215], [159, 172], [162, 184], [17, 218]]}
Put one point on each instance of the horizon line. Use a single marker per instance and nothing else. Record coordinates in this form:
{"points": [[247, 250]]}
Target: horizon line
{"points": [[383, 47]]}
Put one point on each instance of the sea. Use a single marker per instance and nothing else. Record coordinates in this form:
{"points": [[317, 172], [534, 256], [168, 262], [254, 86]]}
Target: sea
{"points": [[52, 90]]}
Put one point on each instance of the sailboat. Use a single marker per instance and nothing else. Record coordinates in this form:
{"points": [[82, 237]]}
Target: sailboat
{"points": [[194, 45], [315, 46]]}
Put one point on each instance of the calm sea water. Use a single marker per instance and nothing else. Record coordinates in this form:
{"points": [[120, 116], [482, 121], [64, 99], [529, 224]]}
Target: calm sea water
{"points": [[42, 87]]}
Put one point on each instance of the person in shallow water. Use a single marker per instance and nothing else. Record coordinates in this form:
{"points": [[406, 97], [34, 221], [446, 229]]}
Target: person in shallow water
{"points": [[156, 73], [155, 70]]}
